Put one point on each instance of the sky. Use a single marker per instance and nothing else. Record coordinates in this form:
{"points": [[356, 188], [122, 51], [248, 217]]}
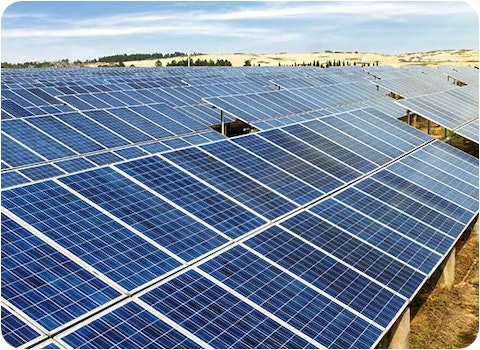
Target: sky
{"points": [[81, 30]]}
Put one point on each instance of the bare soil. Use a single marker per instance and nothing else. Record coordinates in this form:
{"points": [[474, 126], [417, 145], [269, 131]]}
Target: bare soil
{"points": [[448, 319]]}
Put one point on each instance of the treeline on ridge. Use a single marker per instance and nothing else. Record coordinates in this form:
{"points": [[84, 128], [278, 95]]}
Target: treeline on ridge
{"points": [[141, 56], [199, 62]]}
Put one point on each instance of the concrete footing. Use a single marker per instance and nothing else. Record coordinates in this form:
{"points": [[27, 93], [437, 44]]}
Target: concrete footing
{"points": [[398, 336]]}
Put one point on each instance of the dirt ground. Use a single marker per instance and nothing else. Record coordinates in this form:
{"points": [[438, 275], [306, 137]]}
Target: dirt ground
{"points": [[448, 319]]}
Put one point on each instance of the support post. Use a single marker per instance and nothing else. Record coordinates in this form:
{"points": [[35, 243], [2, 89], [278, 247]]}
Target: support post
{"points": [[409, 118], [398, 336], [444, 277], [222, 122], [428, 126]]}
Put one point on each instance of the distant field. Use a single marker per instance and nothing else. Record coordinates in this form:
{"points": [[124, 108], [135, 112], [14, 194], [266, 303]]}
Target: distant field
{"points": [[462, 57]]}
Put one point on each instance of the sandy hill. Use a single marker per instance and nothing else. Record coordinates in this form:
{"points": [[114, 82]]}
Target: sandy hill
{"points": [[465, 57]]}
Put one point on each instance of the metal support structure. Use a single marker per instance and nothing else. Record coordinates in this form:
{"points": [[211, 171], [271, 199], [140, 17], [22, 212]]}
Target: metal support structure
{"points": [[222, 123], [428, 126], [409, 118]]}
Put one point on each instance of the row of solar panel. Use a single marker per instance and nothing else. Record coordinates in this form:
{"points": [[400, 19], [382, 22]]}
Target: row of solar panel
{"points": [[58, 168], [142, 220], [283, 103], [17, 103]]}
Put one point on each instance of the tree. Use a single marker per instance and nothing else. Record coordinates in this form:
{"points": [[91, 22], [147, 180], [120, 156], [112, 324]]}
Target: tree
{"points": [[247, 63], [158, 63]]}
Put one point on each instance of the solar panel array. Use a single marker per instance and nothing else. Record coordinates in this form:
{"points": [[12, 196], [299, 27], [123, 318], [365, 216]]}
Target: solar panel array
{"points": [[455, 109], [315, 233]]}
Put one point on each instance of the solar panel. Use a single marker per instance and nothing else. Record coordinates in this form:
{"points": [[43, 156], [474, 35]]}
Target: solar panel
{"points": [[277, 179], [319, 269], [362, 256], [89, 234], [236, 185], [201, 201], [157, 219], [15, 331], [315, 232], [218, 317], [129, 326], [291, 300], [44, 284]]}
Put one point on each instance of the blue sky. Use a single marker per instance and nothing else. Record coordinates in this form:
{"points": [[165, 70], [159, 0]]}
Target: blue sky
{"points": [[40, 30]]}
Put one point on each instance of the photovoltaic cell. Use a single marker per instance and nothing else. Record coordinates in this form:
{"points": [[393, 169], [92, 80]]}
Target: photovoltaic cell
{"points": [[312, 155], [115, 124], [94, 130], [218, 317], [290, 300], [15, 154], [13, 178], [128, 327], [34, 139], [349, 142], [16, 332], [41, 172], [355, 253], [264, 172], [44, 284], [104, 158], [288, 162], [403, 223], [200, 200], [402, 246], [254, 195], [323, 144], [64, 134], [147, 213], [418, 210], [88, 234], [327, 274], [74, 165]]}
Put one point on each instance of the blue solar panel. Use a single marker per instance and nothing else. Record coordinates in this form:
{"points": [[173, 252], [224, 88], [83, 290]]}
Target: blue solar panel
{"points": [[15, 331], [327, 274], [117, 125], [292, 301], [409, 206], [34, 139], [338, 152], [104, 158], [288, 162], [161, 119], [130, 152], [147, 213], [88, 234], [264, 172], [450, 177], [140, 122], [41, 172], [94, 130], [93, 101], [13, 178], [357, 254], [176, 143], [254, 195], [312, 155], [15, 154], [218, 317], [76, 102], [44, 284], [74, 165], [349, 142], [423, 195], [397, 244], [454, 155], [433, 185], [14, 109], [393, 217], [128, 327], [200, 200], [372, 140], [155, 147]]}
